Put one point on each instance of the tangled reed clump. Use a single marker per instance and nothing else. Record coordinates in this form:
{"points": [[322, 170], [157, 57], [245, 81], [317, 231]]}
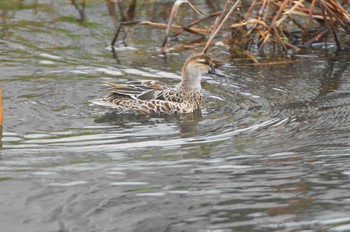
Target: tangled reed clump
{"points": [[263, 24], [289, 23]]}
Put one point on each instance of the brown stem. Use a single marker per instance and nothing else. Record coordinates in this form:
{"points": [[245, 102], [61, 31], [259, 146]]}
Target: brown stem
{"points": [[131, 10], [220, 25], [162, 25], [119, 27], [196, 22], [156, 25], [308, 22], [111, 11], [336, 38], [323, 32], [81, 10], [172, 16], [219, 19]]}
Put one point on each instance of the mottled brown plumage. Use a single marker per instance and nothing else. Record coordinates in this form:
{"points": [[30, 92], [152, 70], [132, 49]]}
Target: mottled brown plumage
{"points": [[155, 97]]}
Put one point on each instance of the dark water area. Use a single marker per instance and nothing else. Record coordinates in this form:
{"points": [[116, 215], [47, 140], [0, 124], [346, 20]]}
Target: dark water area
{"points": [[269, 152]]}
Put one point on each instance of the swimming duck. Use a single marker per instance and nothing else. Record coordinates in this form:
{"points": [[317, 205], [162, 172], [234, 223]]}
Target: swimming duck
{"points": [[155, 97]]}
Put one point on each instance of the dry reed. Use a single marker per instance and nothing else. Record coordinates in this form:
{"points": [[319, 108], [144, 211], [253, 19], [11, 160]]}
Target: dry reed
{"points": [[260, 24], [279, 22]]}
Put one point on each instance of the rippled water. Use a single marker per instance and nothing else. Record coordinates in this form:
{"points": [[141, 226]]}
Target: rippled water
{"points": [[270, 151]]}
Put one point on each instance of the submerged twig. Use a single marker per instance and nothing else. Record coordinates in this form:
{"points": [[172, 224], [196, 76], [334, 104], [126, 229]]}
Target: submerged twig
{"points": [[126, 15], [81, 10], [119, 27]]}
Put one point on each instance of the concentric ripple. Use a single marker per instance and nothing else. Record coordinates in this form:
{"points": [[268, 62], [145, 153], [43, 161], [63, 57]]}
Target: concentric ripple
{"points": [[269, 151]]}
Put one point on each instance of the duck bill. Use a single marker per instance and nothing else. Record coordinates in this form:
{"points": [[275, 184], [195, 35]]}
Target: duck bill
{"points": [[216, 72]]}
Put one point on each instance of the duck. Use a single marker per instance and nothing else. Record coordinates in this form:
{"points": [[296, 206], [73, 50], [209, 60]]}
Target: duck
{"points": [[156, 97]]}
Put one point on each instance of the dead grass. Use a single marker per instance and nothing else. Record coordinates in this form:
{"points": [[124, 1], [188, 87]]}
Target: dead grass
{"points": [[273, 25], [291, 24]]}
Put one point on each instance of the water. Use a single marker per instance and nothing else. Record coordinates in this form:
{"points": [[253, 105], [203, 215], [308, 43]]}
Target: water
{"points": [[270, 151]]}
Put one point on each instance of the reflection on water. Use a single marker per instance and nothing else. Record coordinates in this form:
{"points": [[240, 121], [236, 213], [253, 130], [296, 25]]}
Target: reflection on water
{"points": [[269, 151]]}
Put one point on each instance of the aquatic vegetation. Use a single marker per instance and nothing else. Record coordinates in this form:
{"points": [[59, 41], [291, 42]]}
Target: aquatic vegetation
{"points": [[259, 25], [289, 24]]}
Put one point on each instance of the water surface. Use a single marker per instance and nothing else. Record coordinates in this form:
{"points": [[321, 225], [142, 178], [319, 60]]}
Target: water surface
{"points": [[269, 152]]}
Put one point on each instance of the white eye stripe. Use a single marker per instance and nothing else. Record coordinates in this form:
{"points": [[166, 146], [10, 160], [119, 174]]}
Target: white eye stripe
{"points": [[202, 60]]}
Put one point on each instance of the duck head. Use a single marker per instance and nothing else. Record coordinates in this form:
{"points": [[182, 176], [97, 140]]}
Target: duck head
{"points": [[194, 68]]}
